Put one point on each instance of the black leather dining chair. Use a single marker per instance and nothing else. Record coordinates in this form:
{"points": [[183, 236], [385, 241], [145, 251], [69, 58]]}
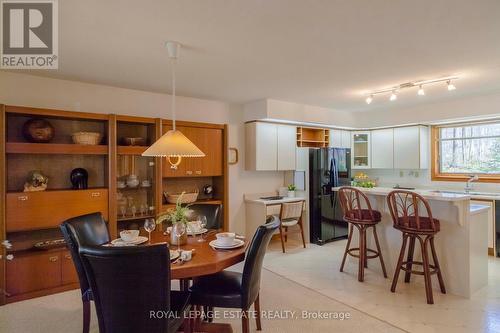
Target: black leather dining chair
{"points": [[131, 288], [228, 289], [90, 230], [211, 211]]}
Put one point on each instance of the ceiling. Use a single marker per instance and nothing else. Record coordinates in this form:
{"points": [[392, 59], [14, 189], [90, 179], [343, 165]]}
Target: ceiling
{"points": [[326, 53]]}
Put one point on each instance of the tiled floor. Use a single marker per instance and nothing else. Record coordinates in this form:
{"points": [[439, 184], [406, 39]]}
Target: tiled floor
{"points": [[317, 267], [308, 279]]}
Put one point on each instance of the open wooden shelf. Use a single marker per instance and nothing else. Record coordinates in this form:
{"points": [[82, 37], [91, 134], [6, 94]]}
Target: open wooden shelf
{"points": [[312, 137], [55, 148], [131, 150]]}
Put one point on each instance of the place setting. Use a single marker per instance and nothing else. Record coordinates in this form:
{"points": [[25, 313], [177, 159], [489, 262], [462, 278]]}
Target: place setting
{"points": [[227, 241]]}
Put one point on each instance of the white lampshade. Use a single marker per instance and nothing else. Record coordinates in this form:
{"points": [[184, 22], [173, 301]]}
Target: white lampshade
{"points": [[173, 144]]}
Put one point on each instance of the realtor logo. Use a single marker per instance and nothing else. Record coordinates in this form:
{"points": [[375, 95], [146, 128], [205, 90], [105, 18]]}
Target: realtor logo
{"points": [[29, 34]]}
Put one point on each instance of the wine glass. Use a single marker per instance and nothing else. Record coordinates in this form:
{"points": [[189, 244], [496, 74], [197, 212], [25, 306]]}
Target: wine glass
{"points": [[123, 210], [133, 209], [178, 230], [203, 225], [149, 226]]}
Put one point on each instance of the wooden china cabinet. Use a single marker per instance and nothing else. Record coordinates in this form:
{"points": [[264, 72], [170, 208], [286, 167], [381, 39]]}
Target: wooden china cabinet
{"points": [[123, 185]]}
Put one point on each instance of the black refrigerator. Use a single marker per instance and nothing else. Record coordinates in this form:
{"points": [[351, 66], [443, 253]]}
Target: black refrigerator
{"points": [[328, 167]]}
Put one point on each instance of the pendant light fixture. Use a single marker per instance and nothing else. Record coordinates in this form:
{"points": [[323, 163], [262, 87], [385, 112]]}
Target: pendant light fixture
{"points": [[173, 145]]}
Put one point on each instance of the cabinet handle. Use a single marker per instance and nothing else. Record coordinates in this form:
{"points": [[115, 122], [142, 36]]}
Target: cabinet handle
{"points": [[53, 259], [198, 172], [22, 198], [189, 172], [95, 194]]}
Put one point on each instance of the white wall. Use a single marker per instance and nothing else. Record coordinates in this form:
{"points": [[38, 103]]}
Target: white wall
{"points": [[27, 90]]}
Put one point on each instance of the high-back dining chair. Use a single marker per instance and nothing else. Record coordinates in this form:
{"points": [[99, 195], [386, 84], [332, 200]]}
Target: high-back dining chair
{"points": [[290, 216], [412, 215], [89, 229], [212, 213], [358, 212], [131, 287], [228, 289]]}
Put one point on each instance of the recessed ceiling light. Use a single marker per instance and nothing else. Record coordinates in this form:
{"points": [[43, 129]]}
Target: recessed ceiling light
{"points": [[393, 96], [451, 86], [369, 99], [421, 91]]}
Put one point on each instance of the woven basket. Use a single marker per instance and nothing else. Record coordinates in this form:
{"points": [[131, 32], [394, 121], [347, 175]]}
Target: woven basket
{"points": [[187, 197], [86, 138]]}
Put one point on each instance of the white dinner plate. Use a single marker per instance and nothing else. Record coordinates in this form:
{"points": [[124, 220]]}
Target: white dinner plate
{"points": [[121, 242], [237, 243], [197, 232]]}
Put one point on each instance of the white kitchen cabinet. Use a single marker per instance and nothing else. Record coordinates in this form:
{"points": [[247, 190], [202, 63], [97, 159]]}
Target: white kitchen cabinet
{"points": [[382, 145], [340, 138], [270, 146], [411, 146], [361, 150], [287, 147]]}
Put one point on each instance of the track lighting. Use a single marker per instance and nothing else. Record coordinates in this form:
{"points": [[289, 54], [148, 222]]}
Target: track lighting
{"points": [[420, 84], [421, 91], [393, 96]]}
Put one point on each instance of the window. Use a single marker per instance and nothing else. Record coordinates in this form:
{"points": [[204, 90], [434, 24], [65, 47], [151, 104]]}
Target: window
{"points": [[462, 150]]}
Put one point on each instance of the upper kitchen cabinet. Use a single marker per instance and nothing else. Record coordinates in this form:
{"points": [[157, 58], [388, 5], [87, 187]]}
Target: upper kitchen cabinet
{"points": [[340, 138], [382, 143], [270, 146], [411, 146], [361, 150]]}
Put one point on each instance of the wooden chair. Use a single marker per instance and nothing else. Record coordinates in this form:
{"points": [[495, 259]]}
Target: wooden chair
{"points": [[290, 216], [362, 219], [412, 216]]}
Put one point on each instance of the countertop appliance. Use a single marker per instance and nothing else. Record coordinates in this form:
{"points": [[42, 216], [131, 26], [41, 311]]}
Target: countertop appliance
{"points": [[328, 167]]}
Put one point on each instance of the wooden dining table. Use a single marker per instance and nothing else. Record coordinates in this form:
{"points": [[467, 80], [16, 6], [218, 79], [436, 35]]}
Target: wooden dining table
{"points": [[205, 260]]}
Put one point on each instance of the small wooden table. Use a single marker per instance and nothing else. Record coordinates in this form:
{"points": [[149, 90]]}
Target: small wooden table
{"points": [[205, 261]]}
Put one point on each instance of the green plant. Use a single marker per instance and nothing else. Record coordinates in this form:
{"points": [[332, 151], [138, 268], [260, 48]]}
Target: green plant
{"points": [[178, 214], [292, 187]]}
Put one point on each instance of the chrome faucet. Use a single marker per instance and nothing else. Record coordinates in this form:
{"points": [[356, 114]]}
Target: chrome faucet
{"points": [[468, 184]]}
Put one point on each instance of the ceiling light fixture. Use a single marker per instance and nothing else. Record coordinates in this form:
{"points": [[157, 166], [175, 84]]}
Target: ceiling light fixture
{"points": [[173, 144], [420, 84], [393, 96], [421, 91], [369, 99], [450, 85]]}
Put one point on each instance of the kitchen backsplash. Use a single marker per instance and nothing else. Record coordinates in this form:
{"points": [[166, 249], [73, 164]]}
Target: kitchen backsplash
{"points": [[420, 179]]}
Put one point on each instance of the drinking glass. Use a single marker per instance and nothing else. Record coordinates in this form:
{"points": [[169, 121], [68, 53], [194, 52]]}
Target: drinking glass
{"points": [[179, 229], [149, 226], [134, 210], [123, 210], [203, 225]]}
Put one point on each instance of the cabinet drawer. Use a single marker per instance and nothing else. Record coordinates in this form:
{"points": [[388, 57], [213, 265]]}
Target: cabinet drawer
{"points": [[33, 272], [25, 209], [68, 271]]}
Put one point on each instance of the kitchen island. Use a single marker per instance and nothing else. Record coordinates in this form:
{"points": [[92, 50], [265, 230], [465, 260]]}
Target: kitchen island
{"points": [[461, 244]]}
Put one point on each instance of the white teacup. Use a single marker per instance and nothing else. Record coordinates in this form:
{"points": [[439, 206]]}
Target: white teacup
{"points": [[129, 235], [225, 238]]}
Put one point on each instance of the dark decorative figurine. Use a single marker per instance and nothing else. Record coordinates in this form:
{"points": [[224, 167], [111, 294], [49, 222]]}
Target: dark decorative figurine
{"points": [[79, 179], [38, 130]]}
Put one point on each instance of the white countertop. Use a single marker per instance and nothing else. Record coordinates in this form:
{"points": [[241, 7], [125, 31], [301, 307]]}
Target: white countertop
{"points": [[427, 194], [273, 202]]}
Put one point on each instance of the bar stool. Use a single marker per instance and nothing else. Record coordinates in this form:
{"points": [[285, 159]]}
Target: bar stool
{"points": [[362, 219], [405, 208]]}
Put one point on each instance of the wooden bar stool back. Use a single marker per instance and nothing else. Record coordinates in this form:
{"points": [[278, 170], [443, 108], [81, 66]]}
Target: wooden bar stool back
{"points": [[412, 215], [358, 212], [290, 216]]}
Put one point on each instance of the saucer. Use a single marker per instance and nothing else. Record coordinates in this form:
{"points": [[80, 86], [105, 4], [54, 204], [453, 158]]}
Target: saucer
{"points": [[197, 232], [236, 243], [121, 242]]}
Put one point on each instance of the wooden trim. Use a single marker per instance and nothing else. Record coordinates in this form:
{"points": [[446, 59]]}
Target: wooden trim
{"points": [[43, 292], [491, 251], [436, 175], [3, 235], [112, 209], [225, 166], [158, 172], [135, 119], [55, 113], [55, 148], [168, 122]]}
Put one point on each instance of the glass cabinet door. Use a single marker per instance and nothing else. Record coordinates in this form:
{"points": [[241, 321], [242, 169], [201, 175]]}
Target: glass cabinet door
{"points": [[360, 150]]}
